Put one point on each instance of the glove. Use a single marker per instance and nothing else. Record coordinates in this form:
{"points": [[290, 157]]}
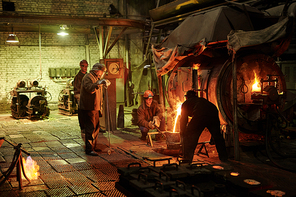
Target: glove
{"points": [[100, 82], [151, 125], [107, 82], [156, 121], [103, 81]]}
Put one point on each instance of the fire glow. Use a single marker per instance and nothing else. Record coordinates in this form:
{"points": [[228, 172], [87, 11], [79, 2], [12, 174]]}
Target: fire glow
{"points": [[31, 168], [256, 85], [177, 116]]}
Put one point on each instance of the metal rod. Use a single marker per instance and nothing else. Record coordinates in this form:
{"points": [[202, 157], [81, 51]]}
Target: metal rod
{"points": [[108, 115], [19, 171], [235, 126]]}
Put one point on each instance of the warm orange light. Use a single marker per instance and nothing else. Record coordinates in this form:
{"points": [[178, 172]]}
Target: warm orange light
{"points": [[234, 173], [256, 85], [31, 168], [196, 66], [177, 116]]}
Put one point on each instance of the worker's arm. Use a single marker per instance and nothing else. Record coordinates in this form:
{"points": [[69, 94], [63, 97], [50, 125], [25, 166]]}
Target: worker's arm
{"points": [[141, 118], [89, 85]]}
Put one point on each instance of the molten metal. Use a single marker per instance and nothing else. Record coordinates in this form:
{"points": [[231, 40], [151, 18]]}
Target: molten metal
{"points": [[177, 116], [256, 86], [31, 168]]}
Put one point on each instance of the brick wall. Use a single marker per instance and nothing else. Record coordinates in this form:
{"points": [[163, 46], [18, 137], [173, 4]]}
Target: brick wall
{"points": [[23, 61], [63, 7]]}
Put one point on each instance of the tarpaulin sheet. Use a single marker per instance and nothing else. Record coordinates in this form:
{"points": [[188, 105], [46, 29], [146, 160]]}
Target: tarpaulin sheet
{"points": [[238, 39], [197, 30]]}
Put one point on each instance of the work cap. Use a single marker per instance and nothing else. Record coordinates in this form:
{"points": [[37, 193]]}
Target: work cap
{"points": [[99, 66], [190, 93]]}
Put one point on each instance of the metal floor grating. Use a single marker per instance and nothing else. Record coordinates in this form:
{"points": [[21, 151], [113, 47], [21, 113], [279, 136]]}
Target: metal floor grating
{"points": [[104, 186], [33, 194], [96, 194], [46, 170], [54, 180], [96, 175], [76, 178], [114, 157], [81, 166], [103, 165], [10, 193], [60, 192], [42, 163], [109, 170], [63, 150], [83, 189], [67, 155], [64, 168], [114, 193]]}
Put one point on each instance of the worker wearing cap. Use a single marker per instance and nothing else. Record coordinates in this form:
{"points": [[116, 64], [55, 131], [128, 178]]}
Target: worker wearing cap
{"points": [[204, 114], [150, 115], [77, 85], [90, 104]]}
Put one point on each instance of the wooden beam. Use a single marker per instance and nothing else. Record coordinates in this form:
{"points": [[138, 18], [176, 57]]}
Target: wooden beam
{"points": [[101, 37], [115, 41], [107, 40]]}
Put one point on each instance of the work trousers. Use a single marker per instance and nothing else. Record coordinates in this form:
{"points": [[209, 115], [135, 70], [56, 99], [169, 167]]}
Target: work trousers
{"points": [[92, 127], [80, 119], [193, 131]]}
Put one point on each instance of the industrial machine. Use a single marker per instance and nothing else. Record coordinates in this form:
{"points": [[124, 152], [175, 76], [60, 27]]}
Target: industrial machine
{"points": [[29, 101], [235, 69], [212, 79], [67, 103]]}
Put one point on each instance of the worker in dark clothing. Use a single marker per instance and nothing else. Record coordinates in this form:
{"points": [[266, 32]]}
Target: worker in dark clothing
{"points": [[91, 100], [204, 114], [150, 115], [77, 85]]}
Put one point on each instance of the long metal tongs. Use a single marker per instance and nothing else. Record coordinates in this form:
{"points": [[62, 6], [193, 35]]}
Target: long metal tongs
{"points": [[108, 118]]}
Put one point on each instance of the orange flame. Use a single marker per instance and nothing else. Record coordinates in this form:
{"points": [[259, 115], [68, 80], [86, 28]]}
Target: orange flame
{"points": [[177, 116], [256, 85], [31, 168]]}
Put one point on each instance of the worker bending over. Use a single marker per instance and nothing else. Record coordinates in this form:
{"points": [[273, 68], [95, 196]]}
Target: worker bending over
{"points": [[204, 114]]}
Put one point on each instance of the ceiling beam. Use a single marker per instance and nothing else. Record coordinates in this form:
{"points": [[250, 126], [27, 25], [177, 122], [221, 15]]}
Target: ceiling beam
{"points": [[67, 20]]}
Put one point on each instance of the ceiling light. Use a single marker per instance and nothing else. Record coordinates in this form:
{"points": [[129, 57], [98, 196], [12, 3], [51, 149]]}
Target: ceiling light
{"points": [[12, 38], [62, 33]]}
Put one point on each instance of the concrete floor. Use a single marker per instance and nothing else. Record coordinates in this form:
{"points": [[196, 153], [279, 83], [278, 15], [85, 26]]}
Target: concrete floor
{"points": [[56, 145]]}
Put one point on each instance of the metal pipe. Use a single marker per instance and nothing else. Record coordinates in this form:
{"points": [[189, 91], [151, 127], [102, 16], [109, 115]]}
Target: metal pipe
{"points": [[235, 125]]}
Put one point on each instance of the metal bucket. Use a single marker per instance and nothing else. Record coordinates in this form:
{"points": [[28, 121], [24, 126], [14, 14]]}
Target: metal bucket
{"points": [[172, 137]]}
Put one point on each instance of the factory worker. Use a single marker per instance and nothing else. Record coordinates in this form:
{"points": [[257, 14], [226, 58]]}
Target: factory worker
{"points": [[77, 85], [91, 99], [150, 115], [204, 114]]}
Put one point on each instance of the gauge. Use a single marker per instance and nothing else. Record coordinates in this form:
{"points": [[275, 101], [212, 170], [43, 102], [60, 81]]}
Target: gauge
{"points": [[113, 68]]}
